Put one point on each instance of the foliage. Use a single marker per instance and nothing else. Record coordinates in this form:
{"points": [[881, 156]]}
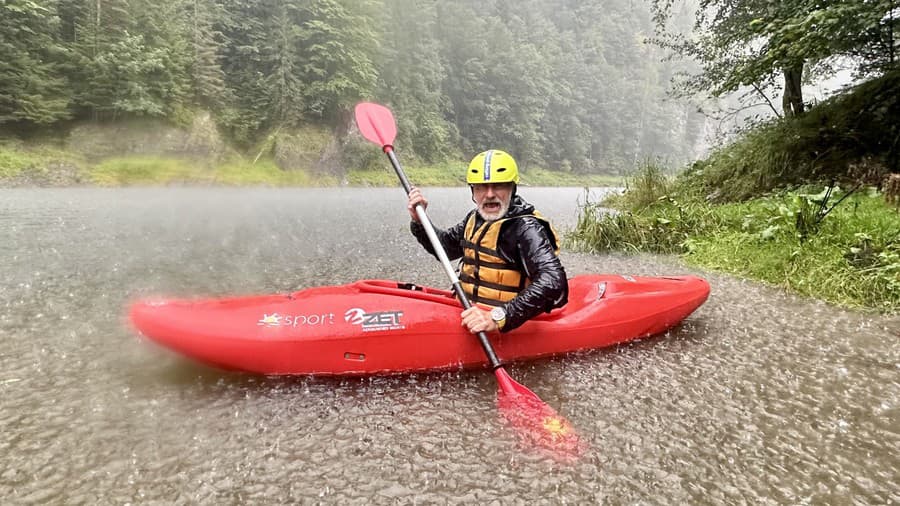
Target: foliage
{"points": [[561, 84], [138, 171], [751, 43], [336, 48], [204, 19], [410, 77], [32, 88], [536, 176], [15, 161], [379, 173], [853, 258], [852, 138], [665, 226], [647, 186]]}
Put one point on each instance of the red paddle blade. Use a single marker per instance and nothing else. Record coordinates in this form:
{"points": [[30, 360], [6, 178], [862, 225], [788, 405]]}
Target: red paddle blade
{"points": [[536, 423], [376, 123]]}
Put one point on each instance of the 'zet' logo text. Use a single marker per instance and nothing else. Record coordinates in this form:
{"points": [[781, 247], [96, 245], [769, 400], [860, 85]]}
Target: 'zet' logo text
{"points": [[375, 321]]}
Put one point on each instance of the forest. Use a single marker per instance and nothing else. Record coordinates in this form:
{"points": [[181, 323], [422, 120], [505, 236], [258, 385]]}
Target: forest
{"points": [[562, 84]]}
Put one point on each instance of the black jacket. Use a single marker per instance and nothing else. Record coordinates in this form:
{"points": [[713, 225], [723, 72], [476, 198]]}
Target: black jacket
{"points": [[524, 242]]}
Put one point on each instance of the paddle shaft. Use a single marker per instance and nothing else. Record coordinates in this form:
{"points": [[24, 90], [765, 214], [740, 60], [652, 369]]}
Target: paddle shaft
{"points": [[442, 256]]}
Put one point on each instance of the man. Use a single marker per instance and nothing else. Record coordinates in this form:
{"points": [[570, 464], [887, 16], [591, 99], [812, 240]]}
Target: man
{"points": [[509, 252]]}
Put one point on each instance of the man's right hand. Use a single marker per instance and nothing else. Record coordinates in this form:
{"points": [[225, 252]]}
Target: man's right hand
{"points": [[415, 198]]}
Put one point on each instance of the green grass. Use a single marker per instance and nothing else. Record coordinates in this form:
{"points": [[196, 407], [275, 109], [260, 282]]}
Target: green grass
{"points": [[265, 173], [36, 159], [284, 157], [151, 171], [142, 171], [453, 174], [237, 171], [437, 175], [543, 177], [850, 137], [853, 259], [850, 257]]}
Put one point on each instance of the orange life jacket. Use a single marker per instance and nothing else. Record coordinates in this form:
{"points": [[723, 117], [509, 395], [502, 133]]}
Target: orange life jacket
{"points": [[484, 275]]}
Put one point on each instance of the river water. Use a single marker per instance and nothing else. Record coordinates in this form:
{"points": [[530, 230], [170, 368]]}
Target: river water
{"points": [[757, 398]]}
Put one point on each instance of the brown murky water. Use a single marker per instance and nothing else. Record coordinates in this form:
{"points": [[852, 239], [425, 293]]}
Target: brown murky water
{"points": [[758, 398]]}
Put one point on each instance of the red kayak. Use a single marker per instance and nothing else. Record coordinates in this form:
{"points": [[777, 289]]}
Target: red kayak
{"points": [[379, 326]]}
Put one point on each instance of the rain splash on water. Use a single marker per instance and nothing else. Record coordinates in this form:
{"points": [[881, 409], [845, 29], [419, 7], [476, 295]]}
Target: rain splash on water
{"points": [[758, 397]]}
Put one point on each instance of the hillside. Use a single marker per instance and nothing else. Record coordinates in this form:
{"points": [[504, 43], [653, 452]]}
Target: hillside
{"points": [[797, 203]]}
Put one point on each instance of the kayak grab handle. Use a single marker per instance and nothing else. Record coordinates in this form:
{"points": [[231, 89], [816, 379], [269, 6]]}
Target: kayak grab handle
{"points": [[399, 289]]}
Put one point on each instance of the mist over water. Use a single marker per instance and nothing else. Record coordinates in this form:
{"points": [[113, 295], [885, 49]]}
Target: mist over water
{"points": [[759, 397]]}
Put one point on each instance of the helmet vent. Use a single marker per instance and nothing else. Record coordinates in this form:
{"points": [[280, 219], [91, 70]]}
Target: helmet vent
{"points": [[501, 169]]}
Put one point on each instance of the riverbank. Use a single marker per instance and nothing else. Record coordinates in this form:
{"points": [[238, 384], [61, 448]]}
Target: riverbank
{"points": [[836, 245], [48, 166], [793, 202]]}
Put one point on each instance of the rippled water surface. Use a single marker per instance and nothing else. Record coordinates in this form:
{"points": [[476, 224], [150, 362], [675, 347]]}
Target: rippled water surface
{"points": [[757, 398]]}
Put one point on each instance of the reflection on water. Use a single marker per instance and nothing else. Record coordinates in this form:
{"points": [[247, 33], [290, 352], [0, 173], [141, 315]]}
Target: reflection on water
{"points": [[757, 398]]}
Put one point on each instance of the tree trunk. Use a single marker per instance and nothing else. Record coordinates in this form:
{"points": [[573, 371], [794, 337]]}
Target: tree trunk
{"points": [[792, 102]]}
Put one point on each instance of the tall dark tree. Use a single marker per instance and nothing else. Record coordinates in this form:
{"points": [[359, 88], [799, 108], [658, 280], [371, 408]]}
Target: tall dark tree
{"points": [[497, 81], [31, 88], [246, 65], [283, 80], [128, 57], [338, 45], [204, 19], [410, 77]]}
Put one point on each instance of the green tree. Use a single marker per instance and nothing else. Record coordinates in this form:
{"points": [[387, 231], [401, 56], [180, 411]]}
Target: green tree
{"points": [[758, 43], [285, 87], [497, 81], [204, 19], [338, 45], [127, 57], [246, 67], [31, 86], [411, 75]]}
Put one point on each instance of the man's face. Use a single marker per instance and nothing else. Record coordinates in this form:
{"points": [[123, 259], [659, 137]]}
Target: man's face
{"points": [[492, 199]]}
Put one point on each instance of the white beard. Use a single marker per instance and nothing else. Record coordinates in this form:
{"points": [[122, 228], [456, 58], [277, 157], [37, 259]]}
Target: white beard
{"points": [[494, 216]]}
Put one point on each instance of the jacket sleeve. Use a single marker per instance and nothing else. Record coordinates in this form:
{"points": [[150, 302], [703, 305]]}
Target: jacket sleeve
{"points": [[549, 286], [451, 238]]}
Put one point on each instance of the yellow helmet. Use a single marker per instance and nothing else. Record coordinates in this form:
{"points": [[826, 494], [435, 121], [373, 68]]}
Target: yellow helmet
{"points": [[492, 166]]}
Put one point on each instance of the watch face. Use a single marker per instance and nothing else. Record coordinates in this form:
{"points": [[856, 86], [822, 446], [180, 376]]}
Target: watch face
{"points": [[498, 314]]}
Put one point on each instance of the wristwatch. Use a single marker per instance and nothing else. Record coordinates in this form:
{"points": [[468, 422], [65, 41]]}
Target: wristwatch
{"points": [[498, 314]]}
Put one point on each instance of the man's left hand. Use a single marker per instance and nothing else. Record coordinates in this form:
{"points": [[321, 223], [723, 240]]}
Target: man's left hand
{"points": [[478, 320]]}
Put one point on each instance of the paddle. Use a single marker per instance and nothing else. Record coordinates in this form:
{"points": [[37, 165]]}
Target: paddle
{"points": [[522, 407]]}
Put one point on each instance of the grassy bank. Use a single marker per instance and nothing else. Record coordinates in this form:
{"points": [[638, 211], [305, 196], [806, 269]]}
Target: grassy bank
{"points": [[151, 171], [450, 174], [849, 255], [41, 162], [48, 166], [760, 207]]}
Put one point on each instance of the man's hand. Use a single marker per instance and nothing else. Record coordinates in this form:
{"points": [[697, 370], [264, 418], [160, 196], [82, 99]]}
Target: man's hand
{"points": [[478, 320], [415, 198]]}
